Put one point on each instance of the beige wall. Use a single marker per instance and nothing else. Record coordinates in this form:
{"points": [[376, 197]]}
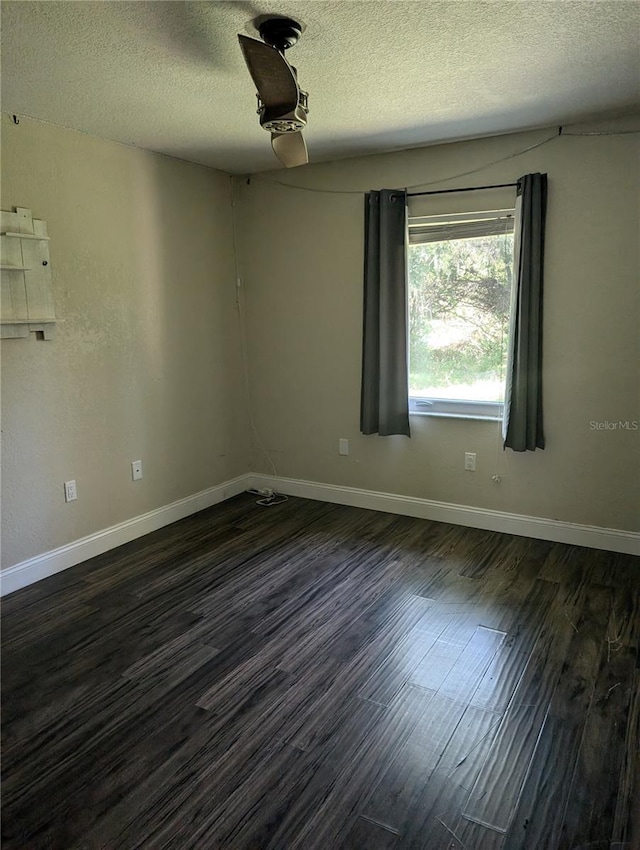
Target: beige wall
{"points": [[301, 260], [146, 362]]}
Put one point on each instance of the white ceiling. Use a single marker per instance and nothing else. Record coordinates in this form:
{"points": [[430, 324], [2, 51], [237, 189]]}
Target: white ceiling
{"points": [[169, 76]]}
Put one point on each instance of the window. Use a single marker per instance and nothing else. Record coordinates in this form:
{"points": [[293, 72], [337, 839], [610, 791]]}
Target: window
{"points": [[460, 274]]}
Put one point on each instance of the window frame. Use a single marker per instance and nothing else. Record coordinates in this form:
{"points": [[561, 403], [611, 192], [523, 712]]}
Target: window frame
{"points": [[460, 226]]}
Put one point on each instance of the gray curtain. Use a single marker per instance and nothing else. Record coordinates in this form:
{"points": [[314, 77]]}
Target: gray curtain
{"points": [[522, 424], [384, 403]]}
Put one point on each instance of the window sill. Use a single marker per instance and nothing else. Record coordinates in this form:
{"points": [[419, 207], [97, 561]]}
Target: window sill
{"points": [[476, 417], [456, 408]]}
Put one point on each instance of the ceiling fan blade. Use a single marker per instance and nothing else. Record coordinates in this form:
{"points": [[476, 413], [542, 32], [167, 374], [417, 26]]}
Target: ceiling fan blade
{"points": [[271, 73], [290, 148]]}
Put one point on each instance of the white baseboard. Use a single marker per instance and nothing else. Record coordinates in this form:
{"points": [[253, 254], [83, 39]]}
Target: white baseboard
{"points": [[20, 575], [34, 569], [611, 539]]}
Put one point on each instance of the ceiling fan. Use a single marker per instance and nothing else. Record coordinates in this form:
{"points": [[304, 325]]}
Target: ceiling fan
{"points": [[282, 105]]}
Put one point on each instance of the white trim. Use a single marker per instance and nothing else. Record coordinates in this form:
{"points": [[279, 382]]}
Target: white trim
{"points": [[34, 569], [594, 537], [27, 572], [456, 408], [464, 416]]}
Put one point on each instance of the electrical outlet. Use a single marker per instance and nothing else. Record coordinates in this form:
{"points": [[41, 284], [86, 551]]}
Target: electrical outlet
{"points": [[70, 491], [136, 470], [470, 461], [343, 446]]}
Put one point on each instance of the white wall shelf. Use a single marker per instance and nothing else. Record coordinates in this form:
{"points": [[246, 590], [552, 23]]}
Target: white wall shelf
{"points": [[27, 296], [25, 235]]}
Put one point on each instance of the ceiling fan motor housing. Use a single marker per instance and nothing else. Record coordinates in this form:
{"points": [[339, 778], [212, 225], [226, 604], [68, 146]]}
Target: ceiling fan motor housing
{"points": [[274, 121], [281, 33]]}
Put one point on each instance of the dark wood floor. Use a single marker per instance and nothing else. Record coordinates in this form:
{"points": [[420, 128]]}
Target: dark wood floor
{"points": [[315, 677]]}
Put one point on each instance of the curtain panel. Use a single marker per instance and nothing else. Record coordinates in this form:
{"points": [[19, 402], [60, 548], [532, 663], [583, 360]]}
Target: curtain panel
{"points": [[384, 403], [522, 424]]}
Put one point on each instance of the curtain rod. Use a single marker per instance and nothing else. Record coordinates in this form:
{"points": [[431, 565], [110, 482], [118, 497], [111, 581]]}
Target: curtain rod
{"points": [[467, 189]]}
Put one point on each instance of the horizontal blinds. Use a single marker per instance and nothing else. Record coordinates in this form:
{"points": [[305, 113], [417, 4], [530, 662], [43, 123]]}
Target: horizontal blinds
{"points": [[439, 231]]}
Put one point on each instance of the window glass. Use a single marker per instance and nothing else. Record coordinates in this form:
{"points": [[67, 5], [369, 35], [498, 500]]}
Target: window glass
{"points": [[460, 277]]}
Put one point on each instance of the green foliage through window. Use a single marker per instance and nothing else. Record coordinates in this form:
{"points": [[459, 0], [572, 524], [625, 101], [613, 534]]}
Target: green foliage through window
{"points": [[459, 296]]}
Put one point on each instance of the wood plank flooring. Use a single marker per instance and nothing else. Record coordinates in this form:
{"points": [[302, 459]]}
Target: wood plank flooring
{"points": [[314, 677]]}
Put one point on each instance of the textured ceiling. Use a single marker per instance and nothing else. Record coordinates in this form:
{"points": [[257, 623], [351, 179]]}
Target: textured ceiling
{"points": [[381, 75]]}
